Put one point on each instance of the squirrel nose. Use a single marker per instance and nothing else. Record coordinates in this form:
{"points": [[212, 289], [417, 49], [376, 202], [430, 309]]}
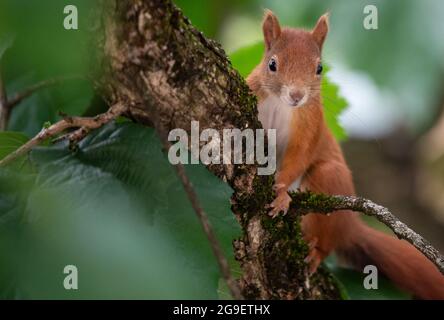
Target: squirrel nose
{"points": [[296, 96]]}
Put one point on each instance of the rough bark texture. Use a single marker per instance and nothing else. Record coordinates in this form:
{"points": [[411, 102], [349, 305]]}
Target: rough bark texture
{"points": [[153, 55]]}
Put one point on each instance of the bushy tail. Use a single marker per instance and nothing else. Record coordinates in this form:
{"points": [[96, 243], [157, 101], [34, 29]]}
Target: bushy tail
{"points": [[398, 260]]}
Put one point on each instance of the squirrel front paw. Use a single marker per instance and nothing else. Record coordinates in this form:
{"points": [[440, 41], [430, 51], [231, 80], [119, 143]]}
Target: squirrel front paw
{"points": [[314, 257], [280, 204]]}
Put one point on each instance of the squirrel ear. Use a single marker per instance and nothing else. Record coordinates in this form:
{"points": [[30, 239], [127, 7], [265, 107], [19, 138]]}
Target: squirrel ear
{"points": [[271, 28], [320, 31]]}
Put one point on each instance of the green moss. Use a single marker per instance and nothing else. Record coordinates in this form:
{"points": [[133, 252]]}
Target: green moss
{"points": [[319, 202], [286, 251]]}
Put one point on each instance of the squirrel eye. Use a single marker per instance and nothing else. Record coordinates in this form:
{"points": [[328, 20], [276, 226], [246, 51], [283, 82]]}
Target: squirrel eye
{"points": [[319, 69], [272, 65]]}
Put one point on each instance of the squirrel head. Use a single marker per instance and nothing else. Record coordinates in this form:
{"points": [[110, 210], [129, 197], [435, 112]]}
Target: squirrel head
{"points": [[291, 67]]}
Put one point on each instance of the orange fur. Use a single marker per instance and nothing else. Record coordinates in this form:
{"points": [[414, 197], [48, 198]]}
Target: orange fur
{"points": [[311, 152]]}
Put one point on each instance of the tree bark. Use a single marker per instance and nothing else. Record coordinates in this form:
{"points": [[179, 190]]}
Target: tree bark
{"points": [[154, 60]]}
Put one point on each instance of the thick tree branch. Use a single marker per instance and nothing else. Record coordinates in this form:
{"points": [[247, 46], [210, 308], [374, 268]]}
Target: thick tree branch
{"points": [[306, 202]]}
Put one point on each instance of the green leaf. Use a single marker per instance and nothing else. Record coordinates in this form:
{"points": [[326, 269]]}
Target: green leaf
{"points": [[117, 211], [11, 141], [334, 104], [246, 58]]}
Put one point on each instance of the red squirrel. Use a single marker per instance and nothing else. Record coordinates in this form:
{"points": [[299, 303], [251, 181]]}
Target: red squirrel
{"points": [[287, 83]]}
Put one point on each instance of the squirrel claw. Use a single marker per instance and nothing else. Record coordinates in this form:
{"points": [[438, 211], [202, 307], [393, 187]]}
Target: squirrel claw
{"points": [[278, 186], [313, 259], [280, 204]]}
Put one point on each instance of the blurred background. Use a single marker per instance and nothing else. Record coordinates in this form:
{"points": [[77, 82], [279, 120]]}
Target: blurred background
{"points": [[115, 209]]}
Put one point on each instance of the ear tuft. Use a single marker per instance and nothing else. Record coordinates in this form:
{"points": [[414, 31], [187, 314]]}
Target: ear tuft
{"points": [[271, 28], [320, 31]]}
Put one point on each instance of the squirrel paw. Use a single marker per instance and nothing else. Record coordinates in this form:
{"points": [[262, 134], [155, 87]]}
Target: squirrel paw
{"points": [[280, 204], [278, 186], [314, 257]]}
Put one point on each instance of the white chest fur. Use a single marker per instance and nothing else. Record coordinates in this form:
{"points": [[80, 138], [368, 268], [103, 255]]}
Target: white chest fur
{"points": [[275, 114]]}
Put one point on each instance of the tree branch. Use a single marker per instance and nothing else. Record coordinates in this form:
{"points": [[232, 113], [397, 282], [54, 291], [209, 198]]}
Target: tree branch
{"points": [[66, 123], [4, 110], [306, 202], [214, 243], [6, 105], [20, 96]]}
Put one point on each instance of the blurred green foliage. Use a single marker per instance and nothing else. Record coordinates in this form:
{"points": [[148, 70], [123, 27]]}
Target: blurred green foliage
{"points": [[42, 49], [116, 210], [246, 58]]}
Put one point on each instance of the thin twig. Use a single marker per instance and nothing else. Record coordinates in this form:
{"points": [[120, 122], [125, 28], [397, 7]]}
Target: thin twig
{"points": [[66, 123], [20, 96], [201, 214], [306, 202], [222, 261], [4, 109], [6, 105]]}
